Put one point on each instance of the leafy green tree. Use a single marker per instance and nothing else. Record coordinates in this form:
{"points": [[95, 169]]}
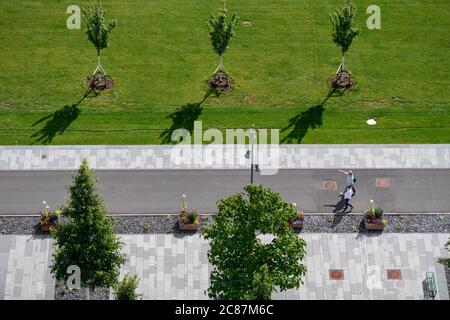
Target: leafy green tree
{"points": [[446, 261], [221, 31], [262, 286], [126, 289], [86, 237], [344, 30], [98, 29], [237, 253]]}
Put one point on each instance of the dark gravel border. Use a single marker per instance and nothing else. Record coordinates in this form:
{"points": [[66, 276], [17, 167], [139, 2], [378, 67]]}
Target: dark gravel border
{"points": [[333, 223], [61, 293]]}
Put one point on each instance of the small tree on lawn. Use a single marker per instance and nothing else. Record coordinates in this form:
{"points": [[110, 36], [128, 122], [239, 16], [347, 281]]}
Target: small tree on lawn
{"points": [[98, 30], [344, 31], [239, 257], [221, 31], [86, 238]]}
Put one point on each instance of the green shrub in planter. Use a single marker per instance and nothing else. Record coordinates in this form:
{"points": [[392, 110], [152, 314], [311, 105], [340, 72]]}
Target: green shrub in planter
{"points": [[126, 289], [54, 216], [193, 217], [378, 212]]}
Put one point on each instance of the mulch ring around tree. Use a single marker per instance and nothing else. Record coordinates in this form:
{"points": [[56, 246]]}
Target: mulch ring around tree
{"points": [[100, 82], [342, 80], [220, 81]]}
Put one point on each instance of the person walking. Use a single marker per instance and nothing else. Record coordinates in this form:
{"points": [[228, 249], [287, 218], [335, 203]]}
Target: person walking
{"points": [[350, 179], [348, 194]]}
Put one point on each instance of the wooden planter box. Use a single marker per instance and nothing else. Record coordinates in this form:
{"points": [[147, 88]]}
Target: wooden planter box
{"points": [[45, 227], [298, 224], [187, 227], [373, 226]]}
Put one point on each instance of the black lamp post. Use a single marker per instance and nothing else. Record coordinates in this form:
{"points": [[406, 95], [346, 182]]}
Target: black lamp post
{"points": [[249, 154]]}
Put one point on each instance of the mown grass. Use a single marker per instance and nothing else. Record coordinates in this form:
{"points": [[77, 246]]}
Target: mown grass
{"points": [[160, 57]]}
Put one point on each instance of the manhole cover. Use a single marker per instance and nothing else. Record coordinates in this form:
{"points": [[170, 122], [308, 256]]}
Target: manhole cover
{"points": [[329, 185], [383, 182], [247, 23], [44, 156], [336, 274], [394, 274]]}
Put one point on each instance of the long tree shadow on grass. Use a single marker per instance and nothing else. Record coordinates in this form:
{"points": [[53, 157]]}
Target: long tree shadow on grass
{"points": [[57, 122], [303, 122], [184, 118]]}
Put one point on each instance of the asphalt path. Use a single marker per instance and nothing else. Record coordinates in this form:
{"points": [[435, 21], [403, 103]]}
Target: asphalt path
{"points": [[159, 191]]}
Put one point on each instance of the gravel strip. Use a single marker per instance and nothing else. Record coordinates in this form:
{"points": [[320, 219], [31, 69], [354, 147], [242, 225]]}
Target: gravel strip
{"points": [[333, 223], [19, 225], [154, 224], [61, 293]]}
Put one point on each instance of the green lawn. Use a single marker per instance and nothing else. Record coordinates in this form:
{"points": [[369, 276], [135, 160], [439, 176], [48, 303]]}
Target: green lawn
{"points": [[160, 57]]}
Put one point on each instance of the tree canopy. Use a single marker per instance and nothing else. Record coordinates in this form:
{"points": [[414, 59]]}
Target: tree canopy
{"points": [[446, 261], [262, 286], [86, 237], [98, 29], [221, 31], [344, 30], [237, 252]]}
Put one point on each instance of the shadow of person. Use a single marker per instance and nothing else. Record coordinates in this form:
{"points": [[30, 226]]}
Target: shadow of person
{"points": [[338, 207], [184, 118], [339, 211], [57, 123]]}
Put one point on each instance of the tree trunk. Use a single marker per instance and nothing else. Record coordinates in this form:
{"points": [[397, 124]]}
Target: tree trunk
{"points": [[220, 68], [343, 62], [98, 58]]}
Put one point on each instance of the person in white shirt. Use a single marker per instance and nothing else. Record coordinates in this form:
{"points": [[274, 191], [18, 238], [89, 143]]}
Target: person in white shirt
{"points": [[348, 194], [350, 179]]}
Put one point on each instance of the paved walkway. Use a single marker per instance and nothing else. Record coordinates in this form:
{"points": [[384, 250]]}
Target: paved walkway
{"points": [[159, 191], [230, 157], [176, 267], [24, 268]]}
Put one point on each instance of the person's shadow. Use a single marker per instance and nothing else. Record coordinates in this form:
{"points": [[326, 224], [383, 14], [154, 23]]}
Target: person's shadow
{"points": [[338, 211], [57, 122], [184, 118], [338, 207]]}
